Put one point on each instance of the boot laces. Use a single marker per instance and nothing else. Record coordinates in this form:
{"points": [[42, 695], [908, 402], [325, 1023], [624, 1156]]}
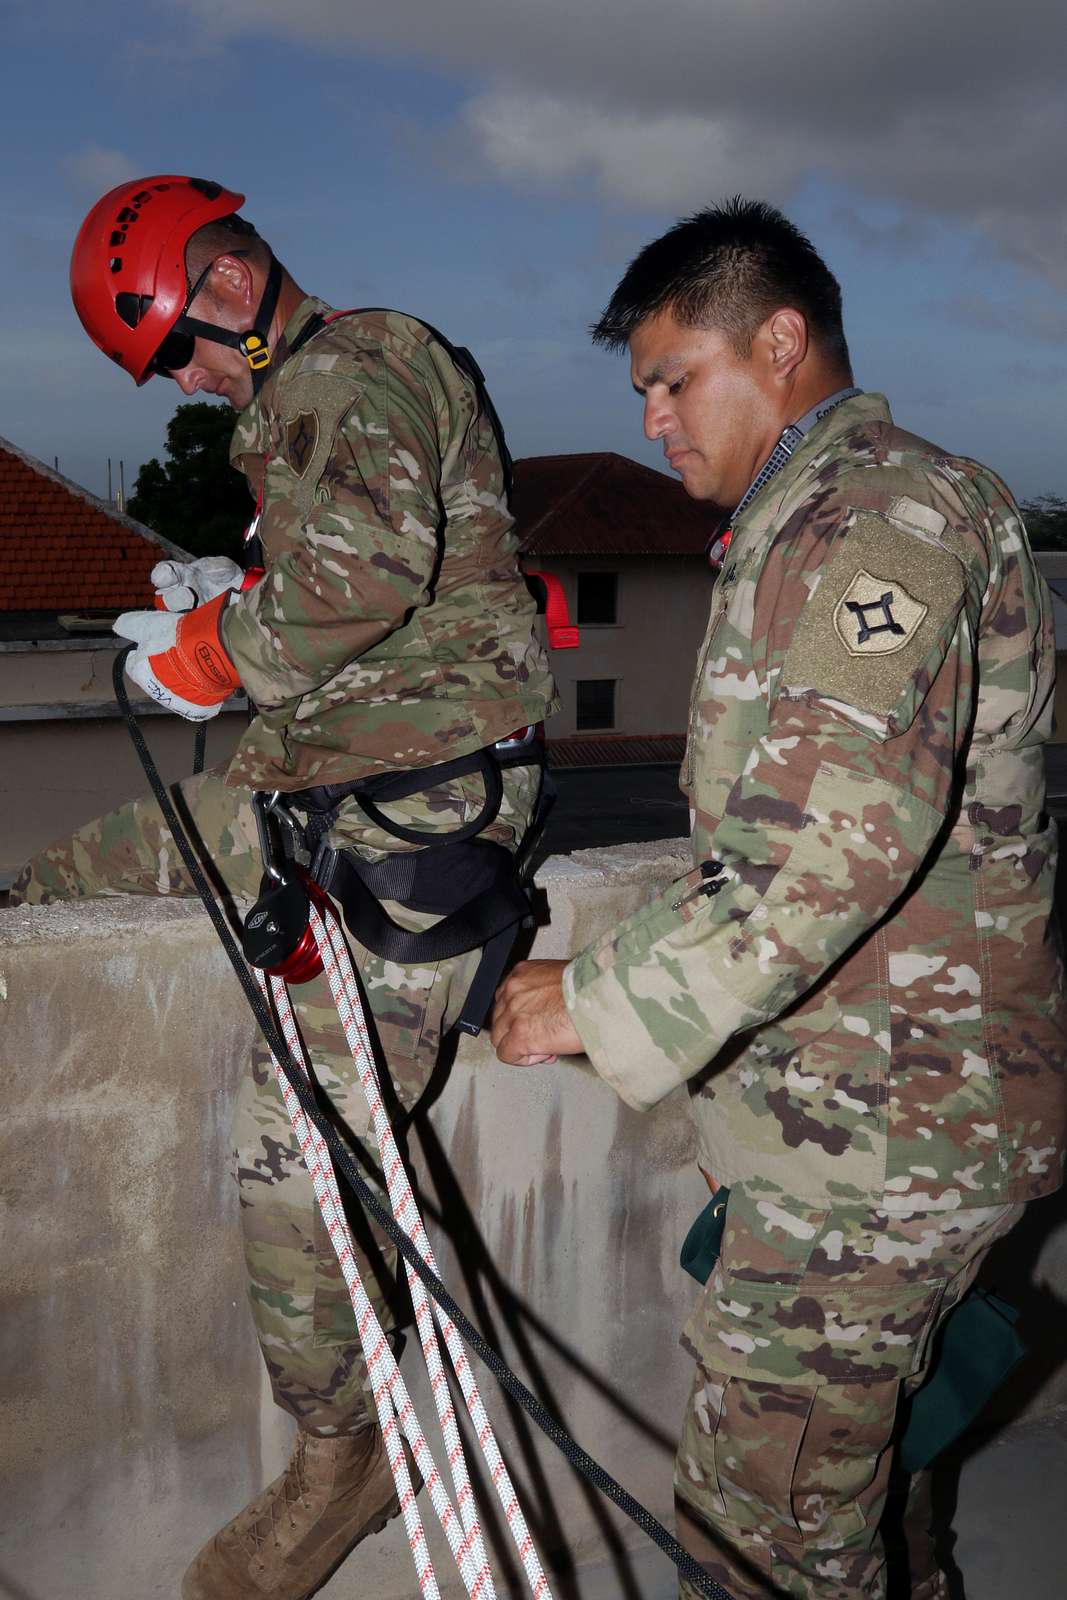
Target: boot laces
{"points": [[293, 1491]]}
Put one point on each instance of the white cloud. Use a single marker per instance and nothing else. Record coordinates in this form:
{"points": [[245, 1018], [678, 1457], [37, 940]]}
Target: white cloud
{"points": [[955, 109], [668, 161], [94, 169]]}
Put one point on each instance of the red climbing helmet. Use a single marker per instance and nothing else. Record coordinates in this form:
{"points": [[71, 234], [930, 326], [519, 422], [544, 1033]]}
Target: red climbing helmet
{"points": [[127, 269]]}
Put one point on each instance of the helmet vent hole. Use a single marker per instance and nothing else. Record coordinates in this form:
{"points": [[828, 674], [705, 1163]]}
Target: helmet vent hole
{"points": [[115, 263], [132, 307]]}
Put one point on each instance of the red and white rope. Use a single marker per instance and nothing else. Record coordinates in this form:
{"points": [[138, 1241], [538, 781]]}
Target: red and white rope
{"points": [[344, 987], [395, 1409], [396, 1414]]}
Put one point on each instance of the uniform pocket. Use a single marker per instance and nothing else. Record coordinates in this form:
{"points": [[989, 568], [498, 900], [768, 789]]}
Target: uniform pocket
{"points": [[813, 1335], [784, 1463]]}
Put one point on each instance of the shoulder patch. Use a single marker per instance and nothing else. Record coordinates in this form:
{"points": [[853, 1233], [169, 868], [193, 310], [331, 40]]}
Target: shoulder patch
{"points": [[877, 616], [883, 600], [309, 412], [301, 437]]}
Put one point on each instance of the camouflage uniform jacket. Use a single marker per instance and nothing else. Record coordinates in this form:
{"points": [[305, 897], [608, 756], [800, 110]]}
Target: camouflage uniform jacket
{"points": [[871, 1011], [393, 628]]}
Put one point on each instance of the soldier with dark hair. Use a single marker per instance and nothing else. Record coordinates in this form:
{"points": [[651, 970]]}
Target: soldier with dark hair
{"points": [[860, 981], [391, 631]]}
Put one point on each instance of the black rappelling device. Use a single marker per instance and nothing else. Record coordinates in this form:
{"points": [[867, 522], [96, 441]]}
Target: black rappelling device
{"points": [[276, 935]]}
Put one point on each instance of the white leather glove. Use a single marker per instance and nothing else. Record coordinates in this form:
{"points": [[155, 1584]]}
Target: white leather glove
{"points": [[180, 659], [181, 585]]}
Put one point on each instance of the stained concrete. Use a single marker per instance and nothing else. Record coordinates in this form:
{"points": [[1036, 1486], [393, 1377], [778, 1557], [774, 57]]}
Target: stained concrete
{"points": [[136, 1418]]}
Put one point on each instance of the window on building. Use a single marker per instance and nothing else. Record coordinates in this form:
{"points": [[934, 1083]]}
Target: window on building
{"points": [[595, 704], [597, 598]]}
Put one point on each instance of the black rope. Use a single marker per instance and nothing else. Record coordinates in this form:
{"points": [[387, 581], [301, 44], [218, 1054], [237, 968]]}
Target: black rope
{"points": [[508, 1380], [199, 748]]}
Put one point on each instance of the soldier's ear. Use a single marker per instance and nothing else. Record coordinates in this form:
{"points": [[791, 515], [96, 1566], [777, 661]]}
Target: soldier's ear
{"points": [[233, 281], [783, 342]]}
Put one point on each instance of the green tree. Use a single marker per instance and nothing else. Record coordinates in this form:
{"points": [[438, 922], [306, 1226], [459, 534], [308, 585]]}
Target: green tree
{"points": [[195, 498], [1046, 521]]}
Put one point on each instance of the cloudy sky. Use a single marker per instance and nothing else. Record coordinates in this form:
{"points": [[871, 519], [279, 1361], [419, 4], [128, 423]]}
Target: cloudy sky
{"points": [[492, 165]]}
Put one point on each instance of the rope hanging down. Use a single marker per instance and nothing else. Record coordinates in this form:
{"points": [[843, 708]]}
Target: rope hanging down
{"points": [[395, 1410], [344, 1163]]}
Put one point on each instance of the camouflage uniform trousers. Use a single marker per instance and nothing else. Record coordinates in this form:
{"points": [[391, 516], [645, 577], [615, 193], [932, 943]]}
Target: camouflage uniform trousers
{"points": [[299, 1300], [814, 1326]]}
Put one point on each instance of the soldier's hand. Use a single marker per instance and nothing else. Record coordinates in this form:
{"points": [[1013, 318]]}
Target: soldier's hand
{"points": [[531, 1023], [181, 585], [180, 660]]}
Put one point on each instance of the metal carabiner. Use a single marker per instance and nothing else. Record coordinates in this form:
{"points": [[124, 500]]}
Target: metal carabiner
{"points": [[264, 808]]}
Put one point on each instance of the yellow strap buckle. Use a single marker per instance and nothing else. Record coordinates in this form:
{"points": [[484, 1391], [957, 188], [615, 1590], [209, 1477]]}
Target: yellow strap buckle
{"points": [[256, 351]]}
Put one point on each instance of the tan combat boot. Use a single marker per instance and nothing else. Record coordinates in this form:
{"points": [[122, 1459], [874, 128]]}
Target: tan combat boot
{"points": [[333, 1493]]}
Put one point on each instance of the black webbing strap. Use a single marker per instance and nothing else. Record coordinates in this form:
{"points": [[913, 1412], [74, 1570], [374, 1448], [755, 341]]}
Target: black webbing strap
{"points": [[345, 1165], [322, 801], [486, 981], [491, 897]]}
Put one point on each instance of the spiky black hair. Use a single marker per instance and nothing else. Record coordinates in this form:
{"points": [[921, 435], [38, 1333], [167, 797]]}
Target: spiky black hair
{"points": [[729, 267]]}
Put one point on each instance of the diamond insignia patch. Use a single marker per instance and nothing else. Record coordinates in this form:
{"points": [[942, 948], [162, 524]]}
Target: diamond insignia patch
{"points": [[301, 437], [876, 616]]}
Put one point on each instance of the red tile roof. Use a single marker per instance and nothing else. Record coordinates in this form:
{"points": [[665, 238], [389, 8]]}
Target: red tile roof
{"points": [[62, 549], [606, 505]]}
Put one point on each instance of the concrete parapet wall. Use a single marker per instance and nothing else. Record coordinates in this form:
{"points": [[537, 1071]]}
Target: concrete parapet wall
{"points": [[136, 1411]]}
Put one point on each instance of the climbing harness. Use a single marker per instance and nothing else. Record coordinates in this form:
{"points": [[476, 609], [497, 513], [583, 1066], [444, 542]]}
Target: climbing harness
{"points": [[473, 886], [323, 1147]]}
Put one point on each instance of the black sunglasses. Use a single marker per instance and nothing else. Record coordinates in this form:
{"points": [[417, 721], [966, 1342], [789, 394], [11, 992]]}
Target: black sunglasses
{"points": [[177, 348], [174, 353]]}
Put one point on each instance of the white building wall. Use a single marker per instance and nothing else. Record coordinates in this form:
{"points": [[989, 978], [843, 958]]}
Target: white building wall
{"points": [[650, 652]]}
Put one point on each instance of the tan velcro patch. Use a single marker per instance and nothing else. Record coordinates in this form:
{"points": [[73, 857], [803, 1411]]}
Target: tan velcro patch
{"points": [[884, 598], [876, 616]]}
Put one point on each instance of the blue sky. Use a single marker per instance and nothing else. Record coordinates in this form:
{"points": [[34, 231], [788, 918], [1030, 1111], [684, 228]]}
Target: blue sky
{"points": [[494, 168]]}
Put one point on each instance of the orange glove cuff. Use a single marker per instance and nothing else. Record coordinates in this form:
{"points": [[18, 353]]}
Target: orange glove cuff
{"points": [[197, 667]]}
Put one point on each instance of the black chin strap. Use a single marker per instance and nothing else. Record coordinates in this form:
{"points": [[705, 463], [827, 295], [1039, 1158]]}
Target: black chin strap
{"points": [[252, 343]]}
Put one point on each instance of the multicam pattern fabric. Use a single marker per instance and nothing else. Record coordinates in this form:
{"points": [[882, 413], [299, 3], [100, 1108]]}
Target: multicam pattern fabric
{"points": [[393, 628], [299, 1299], [814, 1324], [871, 1011]]}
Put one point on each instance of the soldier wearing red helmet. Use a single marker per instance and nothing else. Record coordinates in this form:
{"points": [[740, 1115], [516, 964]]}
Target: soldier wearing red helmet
{"points": [[393, 631], [129, 282]]}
